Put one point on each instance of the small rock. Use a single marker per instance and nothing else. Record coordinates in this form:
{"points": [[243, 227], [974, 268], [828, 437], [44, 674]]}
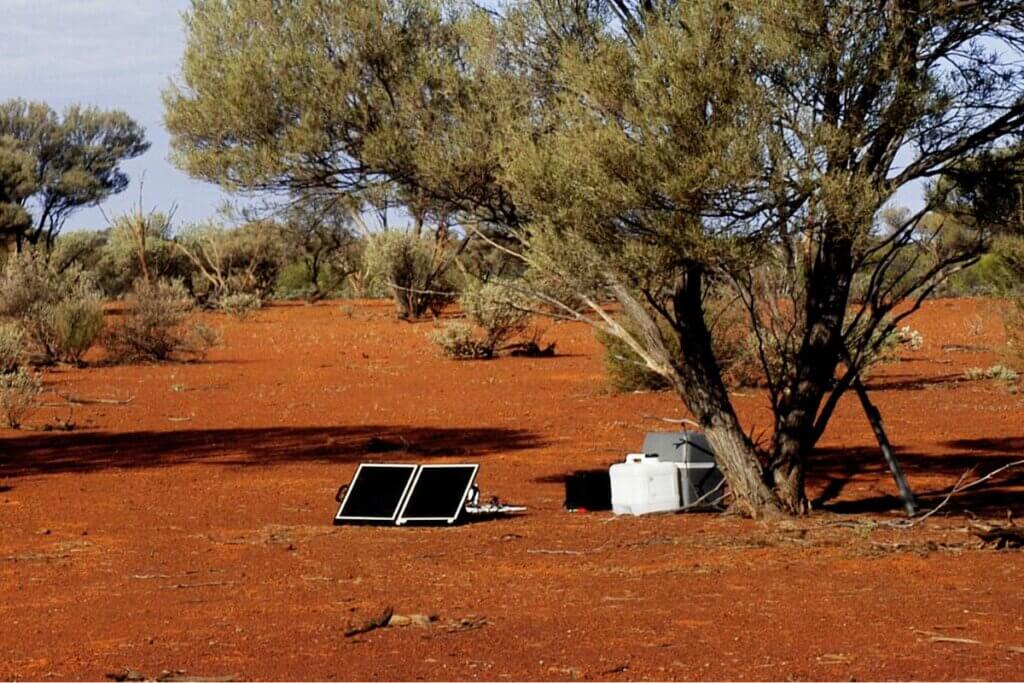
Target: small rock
{"points": [[400, 620], [44, 532], [417, 620]]}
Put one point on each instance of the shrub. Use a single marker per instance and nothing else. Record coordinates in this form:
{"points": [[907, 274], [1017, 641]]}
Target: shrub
{"points": [[19, 394], [154, 326], [626, 372], [497, 309], [734, 346], [996, 372], [904, 337], [240, 304], [76, 323], [133, 238], [202, 339], [61, 311], [459, 341], [225, 261], [414, 268], [13, 353], [1013, 324]]}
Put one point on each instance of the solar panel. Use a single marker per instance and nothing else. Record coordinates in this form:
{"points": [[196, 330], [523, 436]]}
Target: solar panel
{"points": [[376, 493], [438, 493]]}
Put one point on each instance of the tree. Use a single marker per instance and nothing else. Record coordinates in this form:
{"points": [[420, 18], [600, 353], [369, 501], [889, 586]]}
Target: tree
{"points": [[75, 161], [17, 183], [320, 229], [644, 152]]}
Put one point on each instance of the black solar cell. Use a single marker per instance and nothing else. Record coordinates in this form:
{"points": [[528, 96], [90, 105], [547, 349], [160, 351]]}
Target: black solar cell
{"points": [[376, 493], [438, 493]]}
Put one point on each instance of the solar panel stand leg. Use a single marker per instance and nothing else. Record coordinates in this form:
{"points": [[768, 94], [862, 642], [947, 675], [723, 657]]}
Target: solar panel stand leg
{"points": [[875, 418]]}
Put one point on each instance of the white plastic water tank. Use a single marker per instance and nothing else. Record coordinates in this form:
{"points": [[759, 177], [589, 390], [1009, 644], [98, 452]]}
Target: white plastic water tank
{"points": [[643, 484]]}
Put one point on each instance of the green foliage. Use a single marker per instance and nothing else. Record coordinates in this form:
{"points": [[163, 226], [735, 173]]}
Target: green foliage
{"points": [[13, 347], [17, 183], [138, 241], [414, 268], [153, 328], [81, 247], [459, 341], [626, 371], [19, 396], [61, 311], [1013, 325], [318, 234], [999, 272], [75, 159], [497, 308], [498, 313], [293, 281], [76, 323], [224, 261], [996, 372], [240, 304], [734, 345]]}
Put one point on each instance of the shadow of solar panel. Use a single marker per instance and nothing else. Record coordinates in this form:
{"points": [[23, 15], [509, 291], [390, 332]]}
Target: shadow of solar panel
{"points": [[376, 494], [438, 493]]}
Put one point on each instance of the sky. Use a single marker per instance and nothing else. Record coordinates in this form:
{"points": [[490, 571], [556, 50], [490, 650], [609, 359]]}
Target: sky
{"points": [[114, 54]]}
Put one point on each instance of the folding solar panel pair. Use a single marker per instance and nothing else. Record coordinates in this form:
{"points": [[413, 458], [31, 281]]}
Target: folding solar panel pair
{"points": [[404, 494]]}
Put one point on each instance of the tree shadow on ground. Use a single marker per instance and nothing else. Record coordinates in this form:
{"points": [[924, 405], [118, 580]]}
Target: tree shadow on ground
{"points": [[833, 469], [54, 453], [907, 382]]}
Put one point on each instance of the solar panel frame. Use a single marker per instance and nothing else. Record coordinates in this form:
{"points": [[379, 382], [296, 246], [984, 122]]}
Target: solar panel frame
{"points": [[399, 506], [402, 519]]}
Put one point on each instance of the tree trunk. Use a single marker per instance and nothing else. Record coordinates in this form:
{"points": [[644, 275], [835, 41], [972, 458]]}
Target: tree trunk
{"points": [[787, 470], [828, 289], [704, 393]]}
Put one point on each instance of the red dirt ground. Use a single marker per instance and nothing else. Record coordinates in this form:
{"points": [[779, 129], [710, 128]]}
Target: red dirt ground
{"points": [[190, 530]]}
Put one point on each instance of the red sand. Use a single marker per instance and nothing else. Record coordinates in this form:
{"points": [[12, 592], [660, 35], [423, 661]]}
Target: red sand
{"points": [[190, 530]]}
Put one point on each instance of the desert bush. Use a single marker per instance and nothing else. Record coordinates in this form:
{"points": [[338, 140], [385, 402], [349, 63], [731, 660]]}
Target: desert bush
{"points": [[497, 313], [225, 261], [889, 346], [1000, 272], [19, 396], [459, 340], [82, 247], [154, 326], [415, 269], [240, 304], [13, 352], [293, 281], [201, 339], [497, 309], [135, 239], [76, 324], [996, 372], [61, 311], [1013, 325], [626, 372]]}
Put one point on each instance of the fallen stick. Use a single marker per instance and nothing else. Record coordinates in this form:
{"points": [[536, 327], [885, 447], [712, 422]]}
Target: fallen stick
{"points": [[204, 584], [77, 400], [948, 639], [958, 487], [372, 624], [675, 421], [560, 551], [999, 536]]}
